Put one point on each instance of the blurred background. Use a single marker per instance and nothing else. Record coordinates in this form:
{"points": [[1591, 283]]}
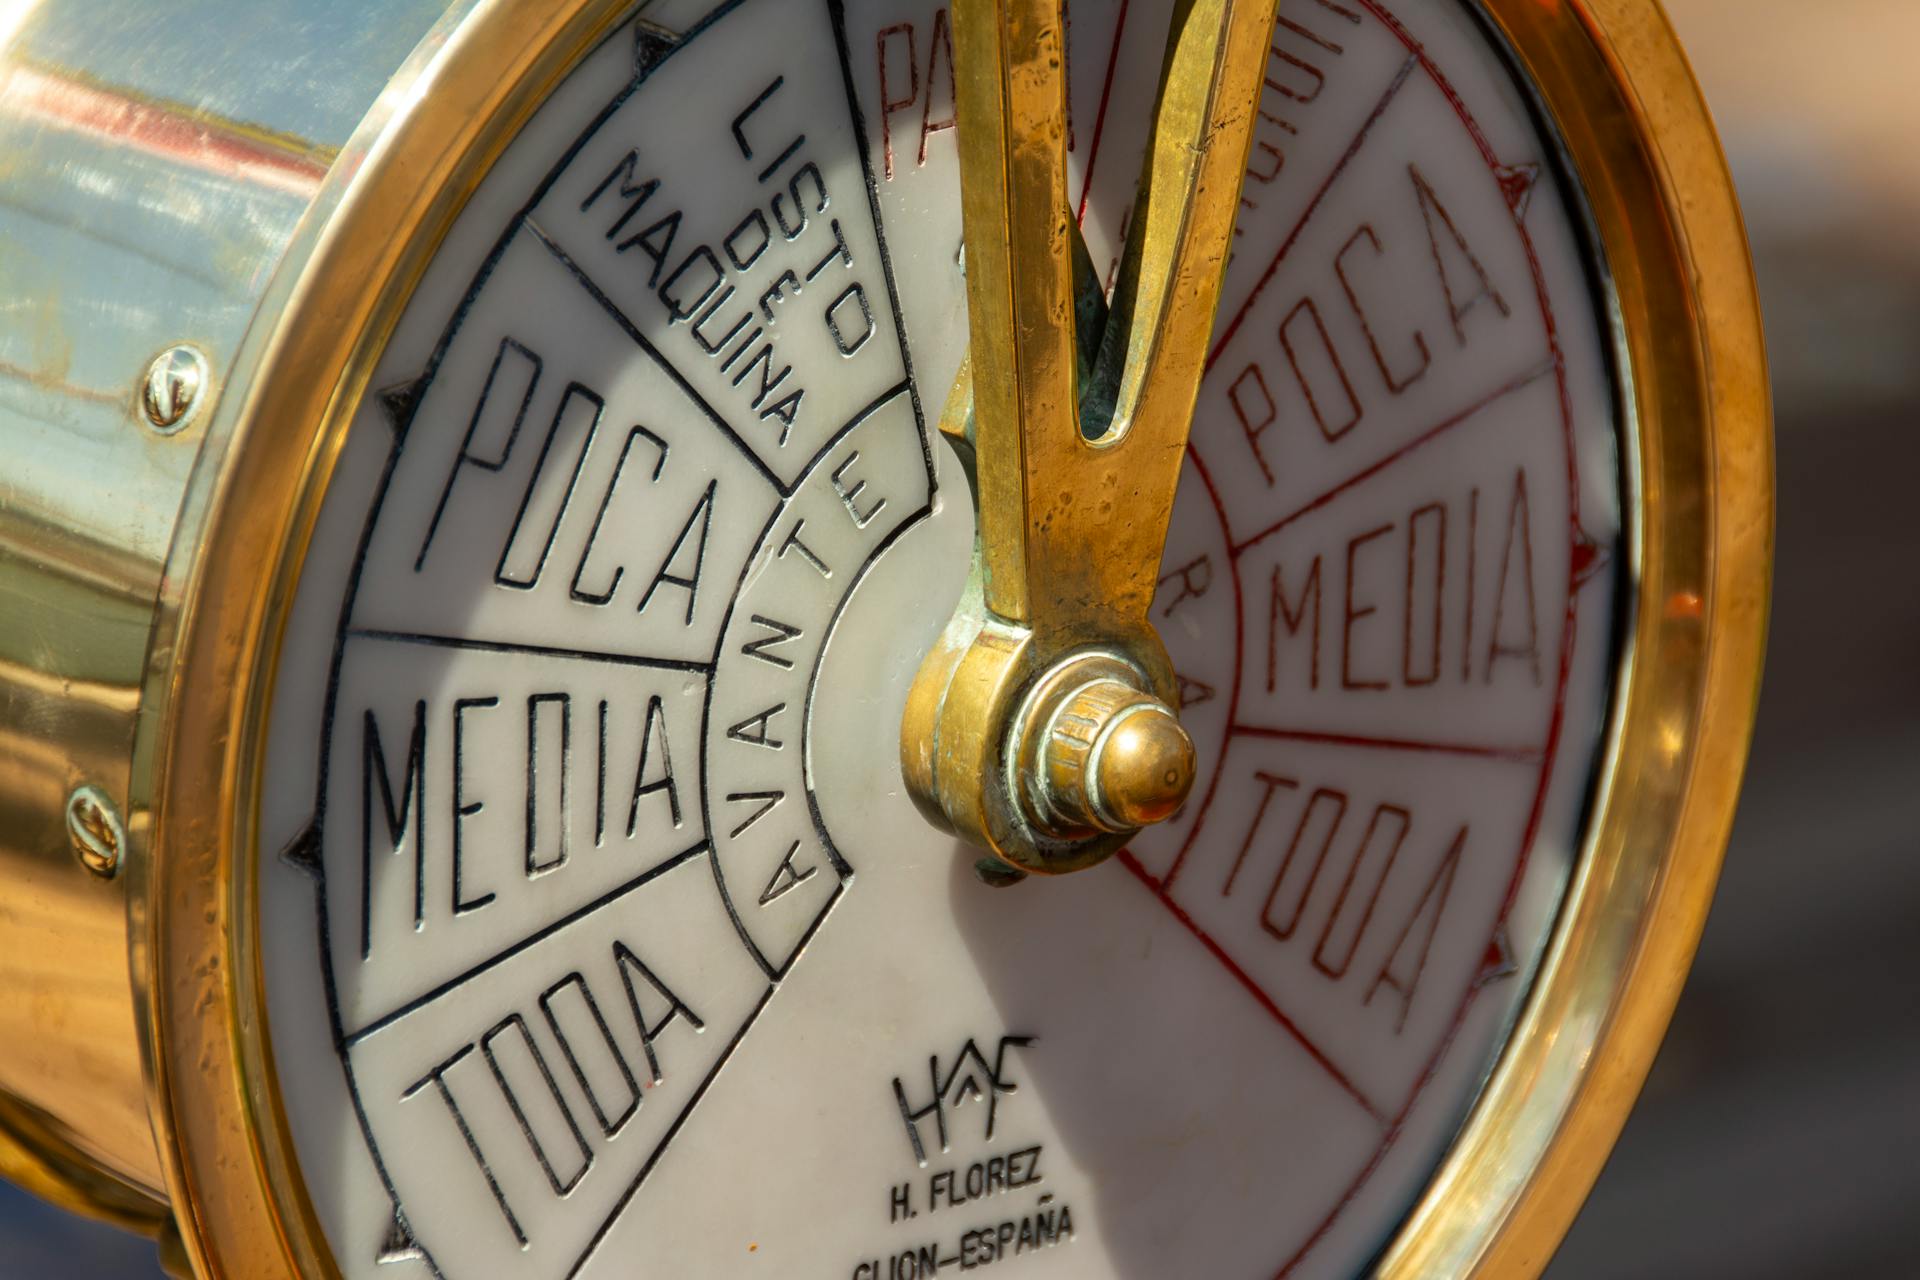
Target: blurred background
{"points": [[1777, 1137]]}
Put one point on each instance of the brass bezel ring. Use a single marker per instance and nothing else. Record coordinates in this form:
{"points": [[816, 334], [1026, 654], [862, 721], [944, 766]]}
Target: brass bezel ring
{"points": [[1618, 88], [1616, 85]]}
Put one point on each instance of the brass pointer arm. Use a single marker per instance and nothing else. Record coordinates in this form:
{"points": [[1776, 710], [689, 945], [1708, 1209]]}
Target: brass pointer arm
{"points": [[1076, 483], [1042, 726]]}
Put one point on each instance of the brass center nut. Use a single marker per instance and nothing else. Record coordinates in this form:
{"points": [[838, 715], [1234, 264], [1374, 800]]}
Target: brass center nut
{"points": [[1113, 758]]}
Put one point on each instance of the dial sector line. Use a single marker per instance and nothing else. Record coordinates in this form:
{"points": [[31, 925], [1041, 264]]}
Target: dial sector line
{"points": [[1507, 755], [1252, 988], [1100, 116], [1227, 331], [350, 1038], [478, 645], [654, 353], [1520, 383]]}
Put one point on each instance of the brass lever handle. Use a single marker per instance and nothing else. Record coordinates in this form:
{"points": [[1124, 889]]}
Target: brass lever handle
{"points": [[1076, 483], [1041, 727]]}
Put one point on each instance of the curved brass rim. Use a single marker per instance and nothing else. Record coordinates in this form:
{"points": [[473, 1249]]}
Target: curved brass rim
{"points": [[1614, 80], [235, 1187]]}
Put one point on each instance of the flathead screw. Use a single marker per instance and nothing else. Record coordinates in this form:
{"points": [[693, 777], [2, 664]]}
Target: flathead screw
{"points": [[175, 383], [95, 830]]}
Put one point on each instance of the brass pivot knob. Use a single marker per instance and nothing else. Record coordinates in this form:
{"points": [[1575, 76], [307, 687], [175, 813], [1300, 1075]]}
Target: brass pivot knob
{"points": [[1114, 759]]}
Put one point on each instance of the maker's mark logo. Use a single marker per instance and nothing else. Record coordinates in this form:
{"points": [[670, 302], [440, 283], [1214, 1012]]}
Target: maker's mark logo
{"points": [[970, 1077]]}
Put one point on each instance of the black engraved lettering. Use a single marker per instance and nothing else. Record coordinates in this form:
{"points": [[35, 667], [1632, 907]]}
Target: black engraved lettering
{"points": [[786, 877], [839, 250], [671, 572], [850, 495], [511, 1056], [753, 225], [635, 196], [494, 427], [655, 240], [835, 314], [650, 990], [462, 808], [971, 1078], [674, 297], [592, 1054], [740, 134], [579, 412], [777, 292], [766, 799], [600, 784], [713, 346], [438, 1079], [546, 713], [576, 590], [762, 648], [793, 543], [402, 809], [756, 731], [654, 750]]}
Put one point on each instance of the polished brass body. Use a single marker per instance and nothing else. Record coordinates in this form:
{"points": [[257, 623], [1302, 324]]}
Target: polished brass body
{"points": [[1074, 485], [144, 215], [145, 579]]}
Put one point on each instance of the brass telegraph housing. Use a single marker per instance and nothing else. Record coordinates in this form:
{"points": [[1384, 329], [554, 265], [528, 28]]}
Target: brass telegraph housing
{"points": [[169, 474]]}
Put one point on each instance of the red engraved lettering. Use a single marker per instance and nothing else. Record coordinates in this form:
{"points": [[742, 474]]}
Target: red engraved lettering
{"points": [[942, 39], [1404, 966], [1294, 78], [1455, 249], [1353, 615], [1298, 887], [1396, 382], [1371, 865], [1250, 382], [1267, 159], [1279, 611], [1326, 368], [1194, 692], [1520, 531], [889, 103], [1194, 577], [1426, 594], [1259, 815]]}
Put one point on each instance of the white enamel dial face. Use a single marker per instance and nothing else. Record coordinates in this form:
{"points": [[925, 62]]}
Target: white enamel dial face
{"points": [[600, 936]]}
